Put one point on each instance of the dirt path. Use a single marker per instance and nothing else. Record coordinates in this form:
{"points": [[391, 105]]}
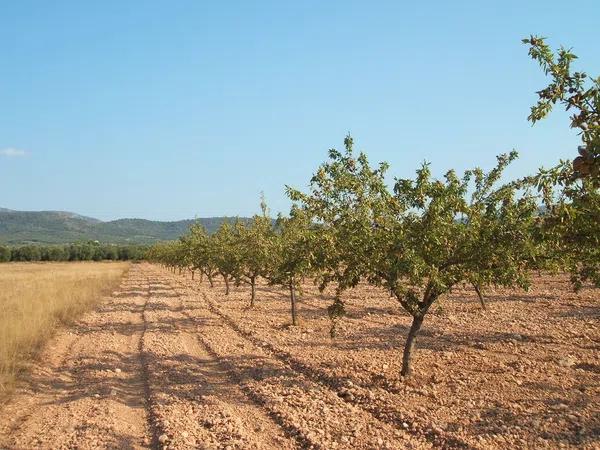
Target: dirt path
{"points": [[195, 399], [87, 391], [135, 373], [302, 404]]}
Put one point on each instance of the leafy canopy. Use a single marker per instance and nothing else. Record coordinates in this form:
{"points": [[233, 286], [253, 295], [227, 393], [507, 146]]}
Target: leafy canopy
{"points": [[571, 191]]}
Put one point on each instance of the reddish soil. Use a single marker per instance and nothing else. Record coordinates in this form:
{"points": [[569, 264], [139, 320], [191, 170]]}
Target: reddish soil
{"points": [[168, 362]]}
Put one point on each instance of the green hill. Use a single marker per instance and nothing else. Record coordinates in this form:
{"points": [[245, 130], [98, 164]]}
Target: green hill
{"points": [[59, 227]]}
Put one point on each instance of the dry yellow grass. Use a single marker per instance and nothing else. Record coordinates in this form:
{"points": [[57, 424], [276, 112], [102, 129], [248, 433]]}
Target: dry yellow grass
{"points": [[36, 297]]}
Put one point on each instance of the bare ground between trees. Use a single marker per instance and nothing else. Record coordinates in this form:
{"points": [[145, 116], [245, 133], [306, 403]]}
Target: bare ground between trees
{"points": [[169, 362], [524, 373]]}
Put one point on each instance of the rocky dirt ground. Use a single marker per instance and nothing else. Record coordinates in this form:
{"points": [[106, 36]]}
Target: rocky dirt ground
{"points": [[167, 362]]}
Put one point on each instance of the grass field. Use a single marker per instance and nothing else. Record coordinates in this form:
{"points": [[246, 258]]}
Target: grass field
{"points": [[37, 297]]}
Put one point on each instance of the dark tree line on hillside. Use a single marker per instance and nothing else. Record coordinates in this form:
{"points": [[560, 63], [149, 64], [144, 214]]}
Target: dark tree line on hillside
{"points": [[87, 251]]}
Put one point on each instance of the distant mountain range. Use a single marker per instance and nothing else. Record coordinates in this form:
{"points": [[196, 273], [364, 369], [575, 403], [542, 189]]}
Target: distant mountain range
{"points": [[59, 227]]}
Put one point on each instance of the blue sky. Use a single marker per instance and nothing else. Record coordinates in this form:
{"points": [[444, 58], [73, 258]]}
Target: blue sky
{"points": [[171, 110]]}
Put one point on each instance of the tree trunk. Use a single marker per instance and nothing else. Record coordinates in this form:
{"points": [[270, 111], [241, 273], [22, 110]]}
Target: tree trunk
{"points": [[210, 280], [180, 271], [480, 295], [201, 277], [253, 294], [226, 278], [411, 340], [192, 274], [293, 300]]}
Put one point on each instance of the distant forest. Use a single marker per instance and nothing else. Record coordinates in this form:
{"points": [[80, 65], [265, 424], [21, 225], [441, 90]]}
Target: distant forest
{"points": [[85, 251]]}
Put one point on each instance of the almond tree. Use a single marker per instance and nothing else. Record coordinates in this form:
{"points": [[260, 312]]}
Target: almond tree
{"points": [[347, 198], [571, 225], [255, 247], [185, 254], [577, 93], [425, 237], [202, 254], [224, 251], [295, 247], [444, 236], [571, 190]]}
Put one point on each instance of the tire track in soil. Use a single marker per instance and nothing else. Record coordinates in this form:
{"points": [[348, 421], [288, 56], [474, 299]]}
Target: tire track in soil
{"points": [[195, 402], [309, 376], [89, 397], [356, 394], [291, 431], [151, 418]]}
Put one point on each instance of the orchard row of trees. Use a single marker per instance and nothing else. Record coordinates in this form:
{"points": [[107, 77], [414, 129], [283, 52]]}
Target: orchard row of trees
{"points": [[283, 251], [423, 236], [88, 251]]}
